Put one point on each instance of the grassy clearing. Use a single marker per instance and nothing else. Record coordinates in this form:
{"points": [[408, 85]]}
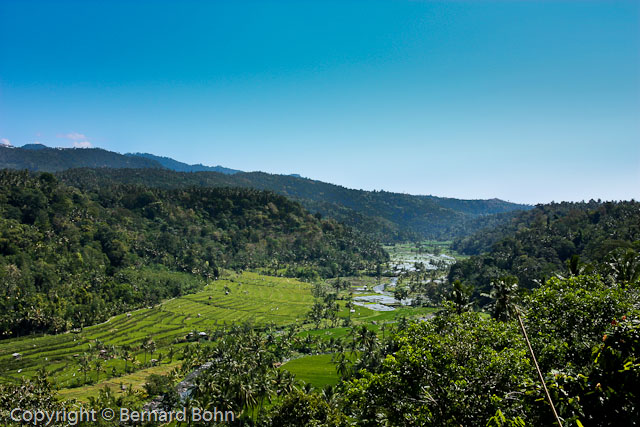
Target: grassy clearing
{"points": [[250, 297], [316, 370]]}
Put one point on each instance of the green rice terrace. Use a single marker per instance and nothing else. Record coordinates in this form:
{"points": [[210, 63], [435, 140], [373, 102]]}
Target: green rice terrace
{"points": [[240, 298], [122, 355]]}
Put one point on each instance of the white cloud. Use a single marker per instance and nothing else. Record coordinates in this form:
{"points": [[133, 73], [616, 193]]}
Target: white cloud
{"points": [[5, 141], [80, 140], [75, 136], [82, 144]]}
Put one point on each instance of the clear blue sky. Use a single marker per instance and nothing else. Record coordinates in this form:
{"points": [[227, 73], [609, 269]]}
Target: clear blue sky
{"points": [[528, 101]]}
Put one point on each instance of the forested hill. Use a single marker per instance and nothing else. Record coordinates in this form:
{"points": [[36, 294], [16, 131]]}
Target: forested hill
{"points": [[383, 215], [72, 257], [558, 238], [37, 157]]}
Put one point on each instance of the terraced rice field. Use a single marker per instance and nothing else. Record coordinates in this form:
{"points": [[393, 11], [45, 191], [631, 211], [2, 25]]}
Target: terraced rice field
{"points": [[251, 297]]}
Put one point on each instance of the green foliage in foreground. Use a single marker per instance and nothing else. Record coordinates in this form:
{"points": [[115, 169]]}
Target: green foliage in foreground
{"points": [[452, 370], [71, 257], [463, 369], [301, 409]]}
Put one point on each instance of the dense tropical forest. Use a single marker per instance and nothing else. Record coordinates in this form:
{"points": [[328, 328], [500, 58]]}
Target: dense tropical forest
{"points": [[557, 238], [385, 216], [70, 258]]}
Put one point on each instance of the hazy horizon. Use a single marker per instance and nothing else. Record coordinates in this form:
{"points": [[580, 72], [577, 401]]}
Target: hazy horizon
{"points": [[523, 101]]}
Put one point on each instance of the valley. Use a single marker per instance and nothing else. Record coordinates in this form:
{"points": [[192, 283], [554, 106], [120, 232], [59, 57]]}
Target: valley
{"points": [[125, 295], [323, 214]]}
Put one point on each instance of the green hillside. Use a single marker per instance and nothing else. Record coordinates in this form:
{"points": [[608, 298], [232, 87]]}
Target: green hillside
{"points": [[384, 215], [71, 257], [37, 157], [557, 238]]}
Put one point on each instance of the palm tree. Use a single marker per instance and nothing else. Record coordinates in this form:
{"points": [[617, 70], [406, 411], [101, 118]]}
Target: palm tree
{"points": [[349, 304], [247, 394], [125, 353], [624, 266], [460, 297], [317, 313], [97, 364], [288, 383], [85, 366], [574, 266], [365, 338], [343, 364], [504, 296], [148, 346], [152, 347], [264, 390], [329, 395]]}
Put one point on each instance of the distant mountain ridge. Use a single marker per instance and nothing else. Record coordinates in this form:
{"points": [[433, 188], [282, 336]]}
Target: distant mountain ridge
{"points": [[35, 146], [384, 215], [177, 166]]}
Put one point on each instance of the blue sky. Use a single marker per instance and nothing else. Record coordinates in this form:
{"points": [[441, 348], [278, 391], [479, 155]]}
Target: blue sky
{"points": [[528, 101]]}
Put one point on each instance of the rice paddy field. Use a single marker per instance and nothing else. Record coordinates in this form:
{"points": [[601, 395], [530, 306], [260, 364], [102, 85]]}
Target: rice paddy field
{"points": [[398, 251], [248, 297], [429, 252], [317, 370], [237, 298]]}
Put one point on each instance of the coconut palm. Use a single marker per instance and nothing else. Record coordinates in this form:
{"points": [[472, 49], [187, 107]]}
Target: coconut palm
{"points": [[97, 365], [125, 354], [85, 366], [504, 295], [460, 296], [343, 364], [624, 266]]}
